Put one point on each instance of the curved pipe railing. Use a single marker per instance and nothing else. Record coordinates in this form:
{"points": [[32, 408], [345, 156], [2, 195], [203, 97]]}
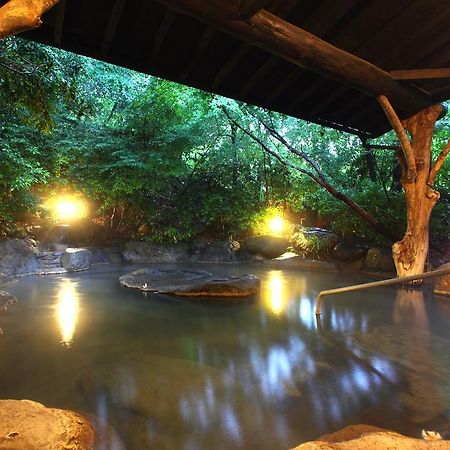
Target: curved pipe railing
{"points": [[360, 287]]}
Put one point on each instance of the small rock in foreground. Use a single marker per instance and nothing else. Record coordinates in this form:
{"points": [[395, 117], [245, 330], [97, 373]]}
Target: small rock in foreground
{"points": [[29, 425], [192, 283], [367, 437]]}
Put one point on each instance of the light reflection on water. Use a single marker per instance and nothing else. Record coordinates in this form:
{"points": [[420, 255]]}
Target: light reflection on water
{"points": [[173, 374], [68, 306]]}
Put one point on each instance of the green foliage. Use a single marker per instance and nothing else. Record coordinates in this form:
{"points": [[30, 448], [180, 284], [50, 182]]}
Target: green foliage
{"points": [[162, 162]]}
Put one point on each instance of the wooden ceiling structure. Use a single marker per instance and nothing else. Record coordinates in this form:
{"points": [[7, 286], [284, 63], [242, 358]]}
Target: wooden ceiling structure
{"points": [[325, 61]]}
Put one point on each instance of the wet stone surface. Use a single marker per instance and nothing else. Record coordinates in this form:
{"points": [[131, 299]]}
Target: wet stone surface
{"points": [[192, 283]]}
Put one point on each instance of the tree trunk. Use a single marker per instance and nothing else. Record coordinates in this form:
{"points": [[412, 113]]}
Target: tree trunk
{"points": [[411, 252]]}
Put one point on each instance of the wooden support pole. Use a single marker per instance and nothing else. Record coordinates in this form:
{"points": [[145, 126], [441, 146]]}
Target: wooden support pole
{"points": [[17, 16], [401, 134], [302, 48]]}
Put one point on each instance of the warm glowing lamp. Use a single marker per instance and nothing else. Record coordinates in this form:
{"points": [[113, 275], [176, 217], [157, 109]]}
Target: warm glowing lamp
{"points": [[276, 225], [67, 311], [69, 208]]}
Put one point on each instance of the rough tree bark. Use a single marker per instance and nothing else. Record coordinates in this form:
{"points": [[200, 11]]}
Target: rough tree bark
{"points": [[418, 175], [17, 16]]}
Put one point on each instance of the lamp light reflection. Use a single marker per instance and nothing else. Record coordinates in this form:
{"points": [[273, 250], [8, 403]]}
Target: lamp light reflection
{"points": [[275, 293], [67, 311]]}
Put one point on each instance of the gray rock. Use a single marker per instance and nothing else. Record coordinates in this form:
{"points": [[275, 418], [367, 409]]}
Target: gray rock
{"points": [[5, 280], [442, 286], [6, 300], [18, 257], [212, 252], [380, 258], [76, 259], [266, 246], [312, 242], [198, 283], [98, 256], [350, 251], [150, 252], [293, 261]]}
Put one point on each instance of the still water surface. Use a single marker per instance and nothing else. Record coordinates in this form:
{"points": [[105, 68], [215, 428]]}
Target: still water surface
{"points": [[172, 374]]}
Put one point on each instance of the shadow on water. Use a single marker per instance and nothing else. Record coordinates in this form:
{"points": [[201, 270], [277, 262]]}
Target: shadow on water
{"points": [[170, 374]]}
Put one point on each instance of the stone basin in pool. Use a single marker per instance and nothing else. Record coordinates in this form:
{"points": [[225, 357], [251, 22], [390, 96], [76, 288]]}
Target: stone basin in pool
{"points": [[169, 374]]}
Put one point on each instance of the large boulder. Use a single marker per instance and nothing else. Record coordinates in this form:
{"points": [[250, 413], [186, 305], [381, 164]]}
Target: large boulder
{"points": [[18, 257], [212, 252], [380, 258], [442, 286], [29, 425], [265, 246], [367, 437], [150, 252], [312, 242], [350, 251], [190, 283], [98, 256], [76, 259]]}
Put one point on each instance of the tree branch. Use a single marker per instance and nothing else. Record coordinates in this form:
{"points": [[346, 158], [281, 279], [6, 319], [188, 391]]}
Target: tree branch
{"points": [[319, 178], [438, 164], [17, 16], [411, 172]]}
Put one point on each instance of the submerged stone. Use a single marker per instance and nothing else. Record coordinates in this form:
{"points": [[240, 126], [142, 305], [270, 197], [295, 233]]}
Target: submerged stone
{"points": [[29, 425], [192, 283]]}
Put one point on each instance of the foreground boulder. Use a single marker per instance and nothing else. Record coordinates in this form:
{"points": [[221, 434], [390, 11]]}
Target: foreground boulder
{"points": [[76, 259], [18, 257], [150, 252], [367, 437], [442, 286], [29, 425], [265, 246], [192, 283]]}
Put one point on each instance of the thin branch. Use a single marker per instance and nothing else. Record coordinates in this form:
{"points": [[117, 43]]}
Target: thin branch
{"points": [[438, 164], [21, 72], [17, 16], [401, 134]]}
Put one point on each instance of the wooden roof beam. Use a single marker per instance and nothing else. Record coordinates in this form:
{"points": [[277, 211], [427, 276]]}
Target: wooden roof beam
{"points": [[161, 34], [420, 74], [296, 45], [111, 28], [60, 13], [248, 8]]}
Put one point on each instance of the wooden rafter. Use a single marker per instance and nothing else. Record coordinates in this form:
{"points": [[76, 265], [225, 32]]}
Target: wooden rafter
{"points": [[229, 65], [283, 86], [248, 8], [162, 32], [420, 74], [402, 137], [202, 45], [111, 28], [302, 48], [59, 25], [17, 16], [262, 72]]}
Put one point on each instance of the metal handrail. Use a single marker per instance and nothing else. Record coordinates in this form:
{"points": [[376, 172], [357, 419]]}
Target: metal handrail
{"points": [[389, 282]]}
